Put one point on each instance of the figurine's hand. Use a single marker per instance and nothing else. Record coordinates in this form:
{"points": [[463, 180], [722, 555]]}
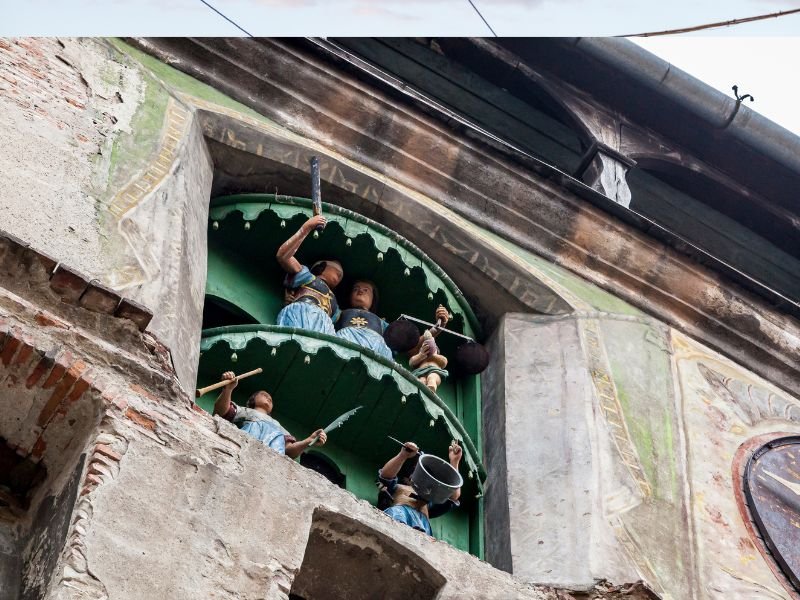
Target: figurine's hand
{"points": [[314, 222], [233, 381], [321, 436], [454, 453], [442, 315], [410, 449]]}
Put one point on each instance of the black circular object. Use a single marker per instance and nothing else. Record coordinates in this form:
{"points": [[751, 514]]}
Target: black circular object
{"points": [[472, 358], [401, 336]]}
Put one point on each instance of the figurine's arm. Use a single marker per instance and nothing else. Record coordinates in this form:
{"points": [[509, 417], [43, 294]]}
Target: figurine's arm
{"points": [[290, 247], [443, 316], [223, 403], [394, 464], [295, 449], [455, 453]]}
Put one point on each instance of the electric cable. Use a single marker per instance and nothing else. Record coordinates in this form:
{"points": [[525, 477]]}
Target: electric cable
{"points": [[774, 15], [231, 21], [481, 16]]}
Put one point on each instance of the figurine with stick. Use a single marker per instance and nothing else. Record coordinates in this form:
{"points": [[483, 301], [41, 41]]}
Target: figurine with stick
{"points": [[256, 421], [310, 301]]}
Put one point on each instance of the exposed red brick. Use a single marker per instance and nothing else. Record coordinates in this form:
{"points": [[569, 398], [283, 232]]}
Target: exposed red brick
{"points": [[75, 103], [46, 319], [140, 419], [44, 365], [91, 478], [68, 283], [143, 392], [128, 309], [120, 402], [10, 347], [33, 257], [60, 392], [39, 448], [5, 44], [55, 375], [99, 469], [99, 298], [31, 71], [78, 390], [24, 353], [105, 450]]}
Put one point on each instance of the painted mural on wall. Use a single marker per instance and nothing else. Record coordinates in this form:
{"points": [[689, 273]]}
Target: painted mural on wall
{"points": [[672, 425], [718, 407]]}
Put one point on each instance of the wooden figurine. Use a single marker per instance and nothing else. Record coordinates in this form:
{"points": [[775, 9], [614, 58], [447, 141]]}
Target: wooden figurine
{"points": [[429, 366]]}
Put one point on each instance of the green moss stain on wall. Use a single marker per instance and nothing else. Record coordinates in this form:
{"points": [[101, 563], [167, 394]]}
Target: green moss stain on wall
{"points": [[132, 151], [180, 82], [640, 367], [642, 436]]}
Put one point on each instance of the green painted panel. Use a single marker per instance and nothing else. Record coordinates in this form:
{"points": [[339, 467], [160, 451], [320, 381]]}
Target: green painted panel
{"points": [[300, 367], [401, 264], [234, 281], [315, 378]]}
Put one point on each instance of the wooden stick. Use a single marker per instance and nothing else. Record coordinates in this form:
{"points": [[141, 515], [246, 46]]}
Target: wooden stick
{"points": [[224, 382]]}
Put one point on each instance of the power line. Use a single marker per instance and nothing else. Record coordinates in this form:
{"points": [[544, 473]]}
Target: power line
{"points": [[231, 21], [774, 15], [481, 16]]}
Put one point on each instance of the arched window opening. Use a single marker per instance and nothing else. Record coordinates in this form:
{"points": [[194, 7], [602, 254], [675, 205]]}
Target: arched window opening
{"points": [[722, 221], [313, 377], [218, 312], [316, 461], [487, 91], [336, 564]]}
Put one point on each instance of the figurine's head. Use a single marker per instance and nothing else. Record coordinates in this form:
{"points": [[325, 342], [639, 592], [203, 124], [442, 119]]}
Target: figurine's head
{"points": [[364, 295], [330, 271], [260, 400]]}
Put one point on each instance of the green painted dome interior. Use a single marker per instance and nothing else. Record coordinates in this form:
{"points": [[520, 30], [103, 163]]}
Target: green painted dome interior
{"points": [[314, 378]]}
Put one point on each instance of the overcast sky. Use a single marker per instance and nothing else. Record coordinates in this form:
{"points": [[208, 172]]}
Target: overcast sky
{"points": [[763, 58]]}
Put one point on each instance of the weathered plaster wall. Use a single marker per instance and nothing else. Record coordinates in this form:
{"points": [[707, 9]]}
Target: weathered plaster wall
{"points": [[496, 498], [556, 459], [108, 173], [620, 439], [10, 565], [240, 516]]}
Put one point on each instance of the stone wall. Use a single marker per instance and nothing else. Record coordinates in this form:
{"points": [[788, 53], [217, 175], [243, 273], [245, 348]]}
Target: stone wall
{"points": [[147, 496], [610, 436], [109, 174]]}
